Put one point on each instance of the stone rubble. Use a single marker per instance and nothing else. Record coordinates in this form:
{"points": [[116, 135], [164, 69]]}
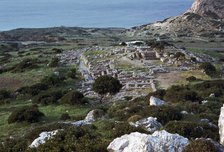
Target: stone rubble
{"points": [[150, 124]]}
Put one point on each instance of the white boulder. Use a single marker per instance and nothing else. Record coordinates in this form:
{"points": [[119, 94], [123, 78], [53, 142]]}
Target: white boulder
{"points": [[156, 101], [150, 123], [43, 137], [89, 119], [90, 116], [159, 141], [184, 112], [221, 126]]}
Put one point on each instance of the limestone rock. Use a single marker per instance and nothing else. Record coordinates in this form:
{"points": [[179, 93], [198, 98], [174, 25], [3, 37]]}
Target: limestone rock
{"points": [[92, 116], [156, 101], [43, 137], [221, 126], [159, 141], [150, 123], [209, 8], [204, 19]]}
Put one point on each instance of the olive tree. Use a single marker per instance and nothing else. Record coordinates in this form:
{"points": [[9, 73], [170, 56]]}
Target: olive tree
{"points": [[106, 84]]}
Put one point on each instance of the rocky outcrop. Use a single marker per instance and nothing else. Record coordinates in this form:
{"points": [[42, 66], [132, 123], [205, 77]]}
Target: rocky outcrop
{"points": [[43, 137], [151, 124], [89, 119], [209, 8], [221, 126], [153, 101], [204, 19], [159, 141]]}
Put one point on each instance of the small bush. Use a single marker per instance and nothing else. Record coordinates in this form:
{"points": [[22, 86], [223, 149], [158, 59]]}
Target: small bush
{"points": [[163, 114], [158, 94], [34, 132], [4, 94], [29, 114], [48, 97], [192, 130], [26, 64], [181, 93], [73, 97], [56, 50], [208, 87], [201, 145], [208, 68], [52, 80], [65, 116], [54, 62], [134, 118], [81, 139], [13, 145], [72, 73], [123, 128], [34, 89], [191, 79]]}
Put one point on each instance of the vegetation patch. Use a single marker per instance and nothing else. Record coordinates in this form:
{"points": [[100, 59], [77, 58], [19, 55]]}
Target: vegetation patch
{"points": [[29, 114]]}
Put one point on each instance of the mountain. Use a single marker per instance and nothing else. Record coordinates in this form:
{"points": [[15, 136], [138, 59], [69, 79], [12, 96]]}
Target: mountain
{"points": [[213, 9], [204, 19]]}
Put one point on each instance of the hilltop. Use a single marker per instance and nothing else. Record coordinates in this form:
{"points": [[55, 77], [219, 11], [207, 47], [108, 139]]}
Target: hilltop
{"points": [[203, 19]]}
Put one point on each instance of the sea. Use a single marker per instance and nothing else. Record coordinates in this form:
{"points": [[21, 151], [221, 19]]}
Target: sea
{"points": [[86, 13]]}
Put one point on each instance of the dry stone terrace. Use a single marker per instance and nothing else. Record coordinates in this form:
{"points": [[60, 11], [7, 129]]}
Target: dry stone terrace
{"points": [[136, 66]]}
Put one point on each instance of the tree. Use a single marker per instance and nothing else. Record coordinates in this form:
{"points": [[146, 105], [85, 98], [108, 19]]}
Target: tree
{"points": [[106, 84]]}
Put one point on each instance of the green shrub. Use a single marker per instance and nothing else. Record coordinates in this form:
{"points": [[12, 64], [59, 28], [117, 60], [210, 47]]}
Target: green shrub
{"points": [[52, 80], [191, 79], [13, 145], [26, 64], [34, 89], [98, 113], [208, 87], [29, 114], [72, 73], [54, 62], [48, 97], [201, 145], [65, 116], [106, 84], [81, 139], [56, 50], [33, 133], [181, 94], [73, 97], [4, 94], [158, 94], [134, 118], [123, 110], [208, 68], [123, 128], [192, 129], [163, 114]]}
